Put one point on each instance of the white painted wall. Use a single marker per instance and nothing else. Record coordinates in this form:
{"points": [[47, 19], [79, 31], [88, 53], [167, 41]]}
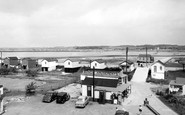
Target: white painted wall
{"points": [[97, 65], [52, 65], [97, 94], [84, 90], [159, 74], [70, 64], [108, 95], [1, 102], [44, 63]]}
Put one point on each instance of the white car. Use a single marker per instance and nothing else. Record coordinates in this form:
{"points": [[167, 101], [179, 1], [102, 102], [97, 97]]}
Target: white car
{"points": [[82, 101]]}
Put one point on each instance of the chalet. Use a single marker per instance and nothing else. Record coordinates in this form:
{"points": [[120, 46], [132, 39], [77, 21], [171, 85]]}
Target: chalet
{"points": [[11, 62], [177, 85], [28, 63], [98, 64], [49, 64], [107, 85], [127, 66], [1, 99], [71, 65], [158, 70], [143, 58]]}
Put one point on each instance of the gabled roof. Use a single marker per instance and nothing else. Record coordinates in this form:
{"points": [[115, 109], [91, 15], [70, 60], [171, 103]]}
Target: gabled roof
{"points": [[144, 55], [100, 61], [100, 82], [50, 59], [158, 62], [73, 60], [13, 58], [128, 62]]}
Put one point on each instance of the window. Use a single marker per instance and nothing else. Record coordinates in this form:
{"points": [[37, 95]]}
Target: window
{"points": [[95, 64], [155, 68], [161, 68], [68, 63]]}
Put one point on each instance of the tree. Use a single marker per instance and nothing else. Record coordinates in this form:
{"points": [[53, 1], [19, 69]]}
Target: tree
{"points": [[31, 89]]}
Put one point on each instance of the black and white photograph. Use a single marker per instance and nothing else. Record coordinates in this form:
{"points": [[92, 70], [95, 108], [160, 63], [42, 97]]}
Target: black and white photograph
{"points": [[92, 57]]}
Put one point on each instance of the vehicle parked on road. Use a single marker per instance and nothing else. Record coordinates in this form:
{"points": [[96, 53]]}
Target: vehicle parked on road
{"points": [[82, 101], [121, 112], [50, 96], [62, 97]]}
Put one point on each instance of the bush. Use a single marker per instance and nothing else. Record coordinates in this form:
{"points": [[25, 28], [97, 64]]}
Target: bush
{"points": [[158, 81], [32, 73], [31, 89]]}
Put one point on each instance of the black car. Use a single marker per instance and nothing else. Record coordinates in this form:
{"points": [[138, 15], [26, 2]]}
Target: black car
{"points": [[49, 96], [62, 97], [121, 112]]}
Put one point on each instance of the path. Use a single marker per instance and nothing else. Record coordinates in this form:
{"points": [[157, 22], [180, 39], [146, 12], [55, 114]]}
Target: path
{"points": [[140, 74], [140, 91]]}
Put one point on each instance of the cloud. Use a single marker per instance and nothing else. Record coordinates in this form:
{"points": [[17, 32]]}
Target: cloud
{"points": [[91, 22]]}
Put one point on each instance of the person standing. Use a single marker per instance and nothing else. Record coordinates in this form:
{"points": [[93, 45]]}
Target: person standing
{"points": [[140, 109]]}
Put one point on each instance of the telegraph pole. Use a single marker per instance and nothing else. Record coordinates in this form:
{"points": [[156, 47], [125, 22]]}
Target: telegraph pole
{"points": [[93, 82], [126, 57], [146, 56], [1, 58]]}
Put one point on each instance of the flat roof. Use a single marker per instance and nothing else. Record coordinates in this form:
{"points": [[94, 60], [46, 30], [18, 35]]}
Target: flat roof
{"points": [[120, 88]]}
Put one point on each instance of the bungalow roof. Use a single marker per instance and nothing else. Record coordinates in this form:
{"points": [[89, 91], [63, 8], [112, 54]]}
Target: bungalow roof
{"points": [[120, 88], [100, 61], [144, 55], [73, 60], [101, 73], [13, 58], [178, 81], [158, 62], [100, 82], [50, 59]]}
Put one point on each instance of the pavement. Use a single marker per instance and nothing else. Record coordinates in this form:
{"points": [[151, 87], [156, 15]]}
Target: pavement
{"points": [[140, 91]]}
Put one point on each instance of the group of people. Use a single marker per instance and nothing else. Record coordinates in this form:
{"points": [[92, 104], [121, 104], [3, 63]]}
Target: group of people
{"points": [[117, 98]]}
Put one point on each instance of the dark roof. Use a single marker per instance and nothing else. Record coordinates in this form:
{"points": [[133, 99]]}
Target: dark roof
{"points": [[73, 60], [100, 61], [144, 55], [61, 94], [1, 86], [101, 73], [51, 59], [120, 88], [171, 64], [159, 62], [180, 80], [13, 58], [100, 82]]}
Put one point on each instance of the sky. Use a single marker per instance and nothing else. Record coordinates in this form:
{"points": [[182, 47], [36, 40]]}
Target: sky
{"points": [[50, 23]]}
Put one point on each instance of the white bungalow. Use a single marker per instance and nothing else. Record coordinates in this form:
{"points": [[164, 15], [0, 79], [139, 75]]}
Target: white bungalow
{"points": [[49, 64], [127, 65], [177, 85], [106, 84], [71, 65], [158, 70], [98, 64], [1, 99]]}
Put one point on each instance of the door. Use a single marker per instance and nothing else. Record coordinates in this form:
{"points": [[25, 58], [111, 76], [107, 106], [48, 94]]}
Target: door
{"points": [[102, 97], [88, 90]]}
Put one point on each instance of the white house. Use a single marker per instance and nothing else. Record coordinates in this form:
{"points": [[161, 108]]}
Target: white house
{"points": [[177, 85], [49, 64], [127, 65], [158, 70], [106, 84], [71, 65], [1, 99], [98, 64]]}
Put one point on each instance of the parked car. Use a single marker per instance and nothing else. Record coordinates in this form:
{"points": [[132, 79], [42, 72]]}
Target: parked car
{"points": [[62, 97], [121, 112], [49, 96], [82, 101]]}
